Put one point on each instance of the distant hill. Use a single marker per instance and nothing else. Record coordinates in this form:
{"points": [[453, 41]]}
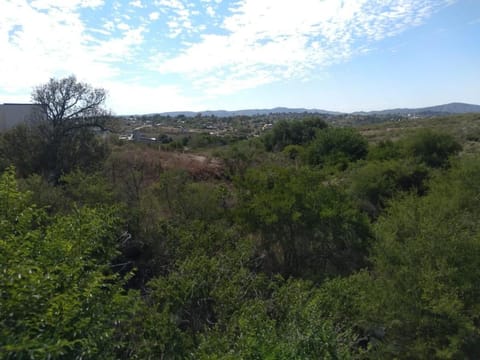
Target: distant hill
{"points": [[250, 112], [452, 108]]}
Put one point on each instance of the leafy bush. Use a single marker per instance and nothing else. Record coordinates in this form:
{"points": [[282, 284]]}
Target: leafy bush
{"points": [[337, 147], [376, 182], [431, 148], [58, 294], [307, 228], [426, 268], [292, 132]]}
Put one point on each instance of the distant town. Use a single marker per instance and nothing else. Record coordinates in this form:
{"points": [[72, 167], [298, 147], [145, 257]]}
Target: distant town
{"points": [[176, 129]]}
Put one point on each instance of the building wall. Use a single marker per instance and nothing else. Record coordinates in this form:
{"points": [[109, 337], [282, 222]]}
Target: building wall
{"points": [[14, 114]]}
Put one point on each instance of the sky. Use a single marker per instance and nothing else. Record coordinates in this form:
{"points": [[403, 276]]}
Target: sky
{"points": [[177, 55]]}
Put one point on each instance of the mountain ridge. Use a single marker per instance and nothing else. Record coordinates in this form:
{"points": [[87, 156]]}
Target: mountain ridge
{"points": [[449, 108]]}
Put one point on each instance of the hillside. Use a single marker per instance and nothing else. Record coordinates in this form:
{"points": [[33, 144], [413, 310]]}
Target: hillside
{"points": [[451, 108], [309, 239]]}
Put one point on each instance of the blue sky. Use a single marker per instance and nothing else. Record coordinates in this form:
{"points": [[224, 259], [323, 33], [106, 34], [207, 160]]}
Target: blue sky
{"points": [[168, 55]]}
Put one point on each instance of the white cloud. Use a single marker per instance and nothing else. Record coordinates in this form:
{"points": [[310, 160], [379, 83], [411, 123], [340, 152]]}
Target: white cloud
{"points": [[49, 38], [109, 25], [178, 15], [42, 44], [118, 49], [257, 42], [154, 15], [136, 99], [123, 26], [176, 4], [289, 40], [62, 4], [136, 3], [210, 11]]}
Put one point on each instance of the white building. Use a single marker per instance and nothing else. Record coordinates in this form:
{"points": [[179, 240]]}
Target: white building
{"points": [[12, 115]]}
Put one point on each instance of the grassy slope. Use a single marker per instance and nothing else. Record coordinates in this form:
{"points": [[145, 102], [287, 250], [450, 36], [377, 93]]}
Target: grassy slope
{"points": [[465, 128]]}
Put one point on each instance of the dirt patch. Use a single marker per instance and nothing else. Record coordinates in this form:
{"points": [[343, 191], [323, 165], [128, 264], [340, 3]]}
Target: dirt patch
{"points": [[198, 166], [152, 162]]}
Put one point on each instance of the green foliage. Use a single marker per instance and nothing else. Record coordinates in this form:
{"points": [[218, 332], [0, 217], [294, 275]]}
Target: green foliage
{"points": [[242, 155], [337, 147], [164, 138], [21, 147], [376, 182], [431, 148], [32, 152], [172, 218], [292, 132], [285, 325], [59, 297], [59, 138], [280, 263], [87, 189], [307, 228], [384, 150], [81, 149], [44, 194], [217, 308], [203, 140], [78, 188], [294, 151], [200, 292], [426, 269], [185, 200]]}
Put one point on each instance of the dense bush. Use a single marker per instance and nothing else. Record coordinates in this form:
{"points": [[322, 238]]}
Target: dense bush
{"points": [[337, 147], [58, 294], [307, 228], [267, 253], [293, 132], [431, 148], [376, 182]]}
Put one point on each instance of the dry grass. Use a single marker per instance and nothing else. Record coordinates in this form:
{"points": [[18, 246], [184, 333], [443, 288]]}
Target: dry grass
{"points": [[465, 128], [152, 162]]}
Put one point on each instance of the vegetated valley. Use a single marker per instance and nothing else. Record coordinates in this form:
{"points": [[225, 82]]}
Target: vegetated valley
{"points": [[288, 236]]}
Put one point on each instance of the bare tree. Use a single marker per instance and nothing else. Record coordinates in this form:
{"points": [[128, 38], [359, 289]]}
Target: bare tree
{"points": [[70, 110], [69, 105]]}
